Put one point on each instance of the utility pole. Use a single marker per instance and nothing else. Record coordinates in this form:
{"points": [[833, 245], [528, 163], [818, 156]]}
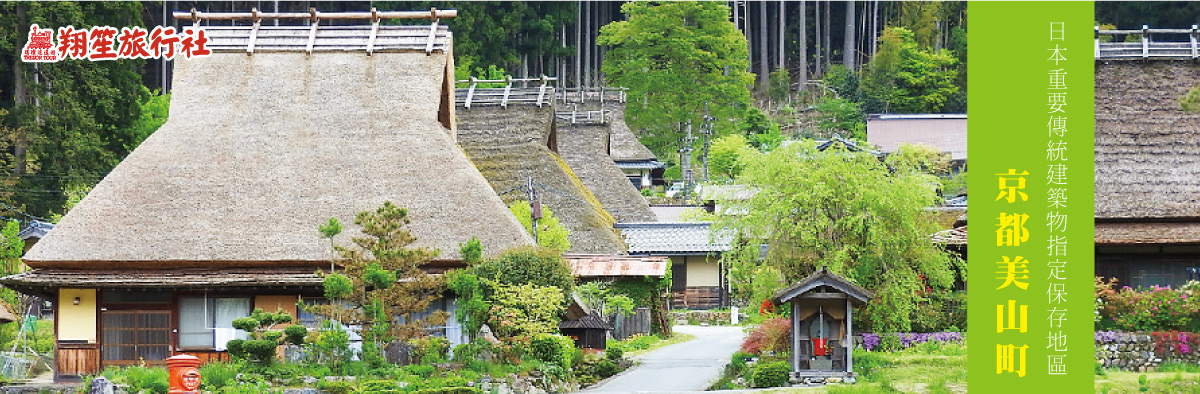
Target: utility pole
{"points": [[535, 208], [685, 160], [706, 128]]}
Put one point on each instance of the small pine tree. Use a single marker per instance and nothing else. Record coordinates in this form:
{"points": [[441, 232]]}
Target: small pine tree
{"points": [[379, 278]]}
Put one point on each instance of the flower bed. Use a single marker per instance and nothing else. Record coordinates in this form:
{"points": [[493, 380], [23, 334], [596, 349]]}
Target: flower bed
{"points": [[1154, 309], [904, 340]]}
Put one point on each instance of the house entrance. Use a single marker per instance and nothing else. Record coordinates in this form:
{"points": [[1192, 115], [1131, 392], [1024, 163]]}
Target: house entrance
{"points": [[129, 337]]}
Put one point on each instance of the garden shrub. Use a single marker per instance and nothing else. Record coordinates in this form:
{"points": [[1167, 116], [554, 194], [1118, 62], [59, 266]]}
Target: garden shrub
{"points": [[772, 335], [148, 379], [378, 387], [552, 348], [1154, 309], [541, 267], [424, 371], [430, 349], [615, 353], [606, 368], [329, 345], [521, 310], [335, 386], [450, 390], [772, 374], [219, 374]]}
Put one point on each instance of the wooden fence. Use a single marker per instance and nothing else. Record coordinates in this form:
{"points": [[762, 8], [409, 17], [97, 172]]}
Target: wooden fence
{"points": [[584, 95], [627, 326], [492, 94], [1147, 47], [314, 37]]}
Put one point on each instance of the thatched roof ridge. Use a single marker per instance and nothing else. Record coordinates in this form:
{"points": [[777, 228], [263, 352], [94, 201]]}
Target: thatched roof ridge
{"points": [[509, 145], [623, 143], [1147, 148], [260, 150]]}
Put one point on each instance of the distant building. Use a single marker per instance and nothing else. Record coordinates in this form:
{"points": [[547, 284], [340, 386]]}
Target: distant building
{"points": [[698, 280], [946, 132]]}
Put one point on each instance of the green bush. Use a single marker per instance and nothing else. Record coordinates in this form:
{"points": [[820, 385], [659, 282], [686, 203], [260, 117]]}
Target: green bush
{"points": [[430, 349], [378, 387], [615, 353], [1191, 101], [295, 334], [450, 390], [552, 348], [336, 386], [424, 371], [216, 375], [772, 374], [148, 379], [254, 350], [606, 368], [541, 267]]}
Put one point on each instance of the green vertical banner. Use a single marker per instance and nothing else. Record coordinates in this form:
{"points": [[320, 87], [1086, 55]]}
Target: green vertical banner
{"points": [[1031, 128]]}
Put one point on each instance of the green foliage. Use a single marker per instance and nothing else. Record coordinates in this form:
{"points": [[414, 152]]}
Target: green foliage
{"points": [[526, 265], [375, 299], [1154, 309], [430, 349], [845, 211], [908, 79], [843, 81], [295, 334], [772, 374], [261, 347], [761, 131], [552, 348], [216, 375], [150, 380], [11, 247], [338, 286], [780, 85], [329, 345], [500, 34], [450, 390], [921, 158], [330, 229], [614, 354], [82, 122], [667, 45], [155, 108], [471, 251], [525, 310], [841, 116], [1191, 101], [599, 296], [550, 233], [726, 153], [472, 303]]}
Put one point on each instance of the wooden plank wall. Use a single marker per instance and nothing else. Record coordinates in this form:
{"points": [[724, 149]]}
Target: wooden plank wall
{"points": [[78, 359]]}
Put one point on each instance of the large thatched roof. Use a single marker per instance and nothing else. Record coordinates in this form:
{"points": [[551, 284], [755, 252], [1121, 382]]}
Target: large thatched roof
{"points": [[585, 148], [1147, 148], [260, 150], [624, 144], [510, 144]]}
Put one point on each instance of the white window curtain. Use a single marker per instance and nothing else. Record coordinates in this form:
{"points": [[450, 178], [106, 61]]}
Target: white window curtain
{"points": [[206, 322]]}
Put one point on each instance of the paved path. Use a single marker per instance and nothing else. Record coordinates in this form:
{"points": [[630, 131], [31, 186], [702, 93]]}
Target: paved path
{"points": [[688, 366]]}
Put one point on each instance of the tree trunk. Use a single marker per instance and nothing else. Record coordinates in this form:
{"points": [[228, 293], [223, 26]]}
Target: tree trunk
{"points": [[20, 93], [818, 53], [782, 28], [578, 44], [587, 43], [803, 45], [875, 29], [848, 49], [827, 33], [763, 57]]}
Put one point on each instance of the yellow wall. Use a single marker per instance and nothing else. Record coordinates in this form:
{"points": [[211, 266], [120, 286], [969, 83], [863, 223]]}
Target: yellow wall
{"points": [[77, 322], [703, 271]]}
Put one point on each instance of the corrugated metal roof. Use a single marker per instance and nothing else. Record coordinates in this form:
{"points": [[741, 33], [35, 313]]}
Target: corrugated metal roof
{"points": [[600, 265], [673, 238]]}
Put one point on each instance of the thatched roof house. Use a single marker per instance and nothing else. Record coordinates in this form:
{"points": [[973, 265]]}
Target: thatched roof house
{"points": [[217, 212], [508, 145], [1147, 173]]}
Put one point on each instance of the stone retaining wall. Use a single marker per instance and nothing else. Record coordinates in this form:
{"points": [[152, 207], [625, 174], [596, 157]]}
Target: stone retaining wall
{"points": [[1136, 352]]}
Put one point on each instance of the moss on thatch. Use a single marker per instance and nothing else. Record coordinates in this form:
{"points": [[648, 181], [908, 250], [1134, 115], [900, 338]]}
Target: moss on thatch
{"points": [[508, 145]]}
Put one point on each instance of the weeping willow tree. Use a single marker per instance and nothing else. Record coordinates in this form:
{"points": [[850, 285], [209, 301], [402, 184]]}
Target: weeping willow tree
{"points": [[847, 211]]}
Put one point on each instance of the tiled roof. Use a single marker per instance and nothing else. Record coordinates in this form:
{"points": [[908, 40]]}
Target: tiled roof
{"points": [[35, 229], [672, 238], [640, 164], [600, 265]]}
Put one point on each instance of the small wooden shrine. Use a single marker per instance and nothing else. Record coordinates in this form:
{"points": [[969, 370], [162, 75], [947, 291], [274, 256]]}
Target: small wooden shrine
{"points": [[822, 325]]}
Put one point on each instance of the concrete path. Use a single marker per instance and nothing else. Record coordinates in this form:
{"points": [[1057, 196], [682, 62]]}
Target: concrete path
{"points": [[689, 366]]}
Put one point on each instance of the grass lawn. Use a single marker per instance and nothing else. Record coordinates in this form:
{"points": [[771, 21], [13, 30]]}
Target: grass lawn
{"points": [[926, 368], [1175, 378]]}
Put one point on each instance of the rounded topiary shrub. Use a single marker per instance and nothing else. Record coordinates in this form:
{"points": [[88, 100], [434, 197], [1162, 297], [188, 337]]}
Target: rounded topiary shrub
{"points": [[772, 374]]}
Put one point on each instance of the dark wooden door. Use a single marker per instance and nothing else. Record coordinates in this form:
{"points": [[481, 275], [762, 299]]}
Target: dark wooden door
{"points": [[130, 337]]}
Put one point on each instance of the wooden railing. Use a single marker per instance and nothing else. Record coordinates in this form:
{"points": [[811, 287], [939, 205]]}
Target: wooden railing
{"points": [[577, 116], [1147, 48], [600, 95], [370, 38], [473, 94]]}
